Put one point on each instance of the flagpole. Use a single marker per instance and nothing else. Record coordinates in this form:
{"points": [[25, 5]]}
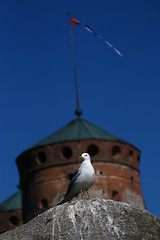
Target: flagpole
{"points": [[78, 111]]}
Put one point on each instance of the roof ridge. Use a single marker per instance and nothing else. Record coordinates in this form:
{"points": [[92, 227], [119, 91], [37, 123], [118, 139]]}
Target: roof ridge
{"points": [[77, 130]]}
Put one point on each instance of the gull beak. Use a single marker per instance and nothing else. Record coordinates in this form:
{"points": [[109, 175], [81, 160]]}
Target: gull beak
{"points": [[80, 157]]}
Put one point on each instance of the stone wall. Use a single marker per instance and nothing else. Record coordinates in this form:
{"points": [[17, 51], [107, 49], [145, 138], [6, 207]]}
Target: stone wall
{"points": [[88, 220]]}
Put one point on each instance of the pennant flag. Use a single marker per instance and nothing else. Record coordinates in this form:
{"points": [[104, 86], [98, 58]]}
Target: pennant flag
{"points": [[75, 21], [90, 30]]}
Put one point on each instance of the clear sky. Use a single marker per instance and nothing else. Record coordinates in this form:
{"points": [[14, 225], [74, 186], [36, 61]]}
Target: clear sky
{"points": [[120, 95]]}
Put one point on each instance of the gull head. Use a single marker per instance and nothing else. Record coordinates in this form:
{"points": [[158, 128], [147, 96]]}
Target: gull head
{"points": [[85, 156]]}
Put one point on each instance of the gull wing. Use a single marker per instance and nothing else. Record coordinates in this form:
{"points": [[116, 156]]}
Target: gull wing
{"points": [[75, 175], [69, 196]]}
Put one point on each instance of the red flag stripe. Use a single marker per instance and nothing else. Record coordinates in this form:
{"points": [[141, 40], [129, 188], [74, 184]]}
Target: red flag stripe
{"points": [[74, 21]]}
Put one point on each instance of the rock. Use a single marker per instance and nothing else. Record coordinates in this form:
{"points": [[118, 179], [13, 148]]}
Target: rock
{"points": [[94, 219]]}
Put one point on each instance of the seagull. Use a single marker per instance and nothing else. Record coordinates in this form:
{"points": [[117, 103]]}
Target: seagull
{"points": [[82, 179]]}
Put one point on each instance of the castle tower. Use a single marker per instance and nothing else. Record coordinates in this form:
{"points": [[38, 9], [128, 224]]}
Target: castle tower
{"points": [[11, 213], [46, 168]]}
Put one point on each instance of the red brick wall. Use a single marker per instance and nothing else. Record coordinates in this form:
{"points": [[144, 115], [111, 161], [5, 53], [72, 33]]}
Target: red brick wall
{"points": [[10, 220], [53, 155]]}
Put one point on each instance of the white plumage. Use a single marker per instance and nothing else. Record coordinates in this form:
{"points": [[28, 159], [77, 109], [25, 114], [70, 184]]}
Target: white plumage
{"points": [[83, 178]]}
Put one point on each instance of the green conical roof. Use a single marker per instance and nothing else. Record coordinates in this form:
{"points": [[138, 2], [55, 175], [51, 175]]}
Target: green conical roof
{"points": [[12, 203], [76, 130]]}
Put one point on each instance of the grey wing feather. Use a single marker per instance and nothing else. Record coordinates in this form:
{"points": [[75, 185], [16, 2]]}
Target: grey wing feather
{"points": [[71, 184], [74, 177], [73, 174]]}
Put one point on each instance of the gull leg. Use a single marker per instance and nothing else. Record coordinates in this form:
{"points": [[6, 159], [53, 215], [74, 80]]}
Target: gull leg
{"points": [[81, 194], [88, 194]]}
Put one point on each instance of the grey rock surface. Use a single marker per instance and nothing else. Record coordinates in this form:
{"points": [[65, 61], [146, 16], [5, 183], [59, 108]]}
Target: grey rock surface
{"points": [[94, 219]]}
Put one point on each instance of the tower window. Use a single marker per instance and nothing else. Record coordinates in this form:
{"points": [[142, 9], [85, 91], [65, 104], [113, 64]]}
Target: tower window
{"points": [[116, 150], [130, 153], [93, 150], [43, 204], [14, 220], [67, 152], [70, 176], [41, 157], [115, 195], [99, 173], [132, 179]]}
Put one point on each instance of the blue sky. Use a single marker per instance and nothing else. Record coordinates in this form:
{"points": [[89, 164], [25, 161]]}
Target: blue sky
{"points": [[120, 95]]}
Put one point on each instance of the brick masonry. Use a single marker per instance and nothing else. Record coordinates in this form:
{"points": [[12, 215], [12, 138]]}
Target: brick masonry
{"points": [[10, 220], [45, 173]]}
